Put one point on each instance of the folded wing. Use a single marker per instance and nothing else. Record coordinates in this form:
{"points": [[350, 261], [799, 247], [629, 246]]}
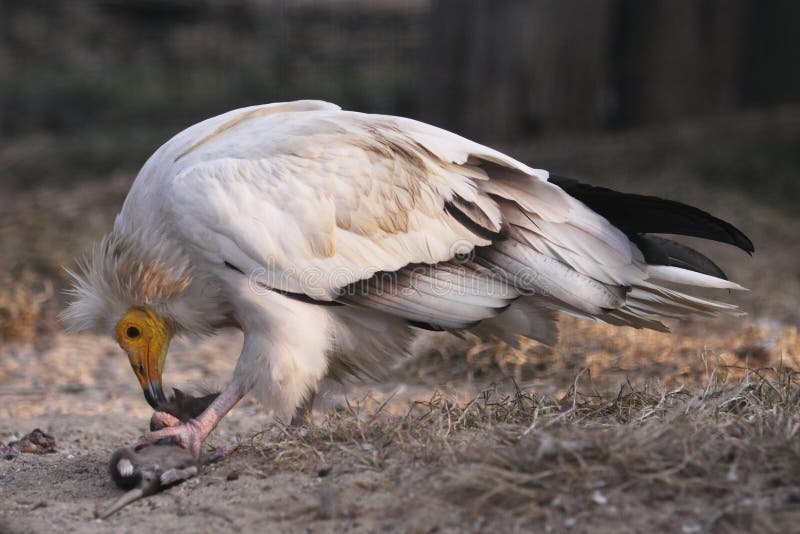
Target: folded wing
{"points": [[396, 216]]}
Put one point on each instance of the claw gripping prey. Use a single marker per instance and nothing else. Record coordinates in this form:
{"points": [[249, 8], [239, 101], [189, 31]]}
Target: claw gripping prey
{"points": [[154, 468]]}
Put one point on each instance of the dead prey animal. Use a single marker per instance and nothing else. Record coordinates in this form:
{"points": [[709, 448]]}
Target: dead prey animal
{"points": [[150, 470], [153, 468]]}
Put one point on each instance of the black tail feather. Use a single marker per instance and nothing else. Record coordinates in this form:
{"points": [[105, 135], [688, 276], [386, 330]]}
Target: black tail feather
{"points": [[640, 214], [660, 251]]}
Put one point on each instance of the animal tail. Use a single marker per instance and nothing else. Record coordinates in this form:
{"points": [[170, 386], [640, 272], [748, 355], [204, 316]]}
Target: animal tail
{"points": [[595, 254]]}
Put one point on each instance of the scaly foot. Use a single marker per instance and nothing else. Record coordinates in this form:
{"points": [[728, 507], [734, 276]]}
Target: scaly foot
{"points": [[192, 433], [189, 435]]}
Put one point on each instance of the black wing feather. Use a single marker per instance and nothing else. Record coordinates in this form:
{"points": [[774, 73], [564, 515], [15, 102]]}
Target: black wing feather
{"points": [[660, 251], [641, 214]]}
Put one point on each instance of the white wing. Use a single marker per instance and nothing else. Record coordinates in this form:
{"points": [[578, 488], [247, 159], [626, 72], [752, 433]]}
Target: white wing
{"points": [[317, 199], [323, 199]]}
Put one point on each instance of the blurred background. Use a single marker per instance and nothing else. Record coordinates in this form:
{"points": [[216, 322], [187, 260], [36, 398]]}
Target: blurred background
{"points": [[693, 100], [696, 100]]}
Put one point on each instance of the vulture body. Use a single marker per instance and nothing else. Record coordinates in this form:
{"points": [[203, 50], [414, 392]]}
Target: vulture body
{"points": [[330, 236]]}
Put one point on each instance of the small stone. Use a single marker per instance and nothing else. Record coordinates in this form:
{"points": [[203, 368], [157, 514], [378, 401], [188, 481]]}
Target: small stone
{"points": [[599, 498], [233, 475], [37, 442]]}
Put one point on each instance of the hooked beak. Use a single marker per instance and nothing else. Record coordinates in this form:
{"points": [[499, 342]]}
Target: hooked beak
{"points": [[147, 362], [154, 394]]}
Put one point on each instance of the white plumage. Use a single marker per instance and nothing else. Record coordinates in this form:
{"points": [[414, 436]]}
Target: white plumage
{"points": [[327, 235]]}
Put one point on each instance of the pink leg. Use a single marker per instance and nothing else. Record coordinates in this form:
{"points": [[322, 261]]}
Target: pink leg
{"points": [[302, 415], [194, 432]]}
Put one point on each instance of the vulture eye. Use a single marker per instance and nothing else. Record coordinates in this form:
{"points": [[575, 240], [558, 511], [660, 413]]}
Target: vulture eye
{"points": [[132, 332]]}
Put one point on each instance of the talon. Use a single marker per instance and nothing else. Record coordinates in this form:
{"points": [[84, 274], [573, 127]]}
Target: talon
{"points": [[189, 435]]}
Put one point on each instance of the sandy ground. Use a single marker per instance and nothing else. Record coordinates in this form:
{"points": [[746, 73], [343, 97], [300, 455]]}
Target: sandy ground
{"points": [[81, 391], [328, 478]]}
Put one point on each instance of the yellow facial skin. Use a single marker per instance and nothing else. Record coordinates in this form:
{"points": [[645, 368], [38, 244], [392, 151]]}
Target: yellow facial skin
{"points": [[145, 337]]}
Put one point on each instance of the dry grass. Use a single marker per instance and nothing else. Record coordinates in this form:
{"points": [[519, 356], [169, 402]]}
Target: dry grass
{"points": [[718, 458], [21, 306], [41, 232], [608, 355], [723, 457]]}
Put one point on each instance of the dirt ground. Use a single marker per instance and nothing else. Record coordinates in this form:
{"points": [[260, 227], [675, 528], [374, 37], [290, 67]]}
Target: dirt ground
{"points": [[614, 430]]}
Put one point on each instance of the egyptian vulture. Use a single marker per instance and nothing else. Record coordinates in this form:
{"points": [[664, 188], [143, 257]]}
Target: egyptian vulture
{"points": [[329, 237]]}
